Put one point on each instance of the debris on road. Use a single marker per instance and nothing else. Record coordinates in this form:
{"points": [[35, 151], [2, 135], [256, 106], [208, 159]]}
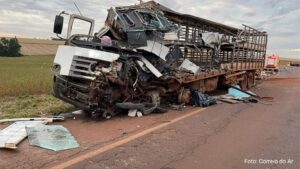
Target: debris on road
{"points": [[263, 75], [202, 100], [72, 114], [139, 114], [237, 94], [177, 107], [251, 100], [266, 75], [46, 119], [227, 100], [54, 137], [252, 94], [15, 133], [132, 112], [78, 112]]}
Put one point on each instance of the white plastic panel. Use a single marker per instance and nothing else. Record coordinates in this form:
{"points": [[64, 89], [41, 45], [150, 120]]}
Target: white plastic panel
{"points": [[188, 65], [15, 133], [65, 55], [158, 49]]}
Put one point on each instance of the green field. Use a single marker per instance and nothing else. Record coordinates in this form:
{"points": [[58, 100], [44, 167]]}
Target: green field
{"points": [[25, 75], [25, 87]]}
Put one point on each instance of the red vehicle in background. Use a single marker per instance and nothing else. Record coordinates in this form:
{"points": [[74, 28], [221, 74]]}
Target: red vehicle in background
{"points": [[272, 63]]}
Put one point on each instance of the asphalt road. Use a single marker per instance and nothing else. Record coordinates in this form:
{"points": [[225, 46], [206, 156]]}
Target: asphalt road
{"points": [[244, 135], [263, 135]]}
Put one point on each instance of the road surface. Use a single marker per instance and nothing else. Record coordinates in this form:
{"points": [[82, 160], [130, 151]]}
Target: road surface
{"points": [[245, 135]]}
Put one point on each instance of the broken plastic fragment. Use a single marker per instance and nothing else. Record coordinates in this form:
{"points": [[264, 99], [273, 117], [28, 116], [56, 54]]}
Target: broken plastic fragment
{"points": [[132, 112], [237, 94], [54, 137]]}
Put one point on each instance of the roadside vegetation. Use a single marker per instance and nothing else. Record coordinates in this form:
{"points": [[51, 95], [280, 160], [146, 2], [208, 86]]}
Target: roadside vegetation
{"points": [[10, 47], [32, 106], [25, 75], [26, 86]]}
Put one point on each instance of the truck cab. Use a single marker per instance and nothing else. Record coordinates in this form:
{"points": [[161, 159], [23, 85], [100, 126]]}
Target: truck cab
{"points": [[98, 71]]}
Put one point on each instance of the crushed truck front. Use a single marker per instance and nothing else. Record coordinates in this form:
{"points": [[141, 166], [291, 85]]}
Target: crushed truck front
{"points": [[147, 56]]}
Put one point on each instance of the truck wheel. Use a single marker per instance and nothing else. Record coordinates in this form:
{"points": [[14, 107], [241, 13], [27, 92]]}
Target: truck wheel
{"points": [[251, 80], [244, 82]]}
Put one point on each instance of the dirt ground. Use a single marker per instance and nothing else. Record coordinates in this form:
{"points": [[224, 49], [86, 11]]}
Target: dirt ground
{"points": [[244, 135]]}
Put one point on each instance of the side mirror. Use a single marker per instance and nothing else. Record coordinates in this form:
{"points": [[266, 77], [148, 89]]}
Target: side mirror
{"points": [[58, 24]]}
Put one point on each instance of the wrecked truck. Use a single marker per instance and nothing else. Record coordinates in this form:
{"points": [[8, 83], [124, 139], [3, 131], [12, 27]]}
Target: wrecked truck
{"points": [[147, 56]]}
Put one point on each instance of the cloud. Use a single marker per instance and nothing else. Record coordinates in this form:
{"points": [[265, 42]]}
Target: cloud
{"points": [[280, 18]]}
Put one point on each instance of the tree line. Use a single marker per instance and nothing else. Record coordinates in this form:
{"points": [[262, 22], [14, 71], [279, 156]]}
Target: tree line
{"points": [[10, 47]]}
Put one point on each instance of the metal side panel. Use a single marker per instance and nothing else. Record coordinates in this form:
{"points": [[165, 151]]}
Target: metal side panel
{"points": [[15, 133]]}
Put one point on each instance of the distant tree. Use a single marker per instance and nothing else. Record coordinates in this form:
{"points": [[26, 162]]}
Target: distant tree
{"points": [[14, 47], [3, 47], [10, 47]]}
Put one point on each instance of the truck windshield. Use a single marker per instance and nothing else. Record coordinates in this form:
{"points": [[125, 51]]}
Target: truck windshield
{"points": [[80, 27]]}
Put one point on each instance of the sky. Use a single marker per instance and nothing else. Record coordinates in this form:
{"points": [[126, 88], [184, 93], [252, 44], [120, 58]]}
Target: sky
{"points": [[279, 18]]}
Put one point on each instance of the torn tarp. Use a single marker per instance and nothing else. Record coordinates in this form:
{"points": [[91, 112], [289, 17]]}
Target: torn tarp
{"points": [[202, 100], [54, 137]]}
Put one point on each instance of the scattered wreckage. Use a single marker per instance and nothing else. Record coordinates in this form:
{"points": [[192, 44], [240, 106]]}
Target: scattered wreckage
{"points": [[148, 55], [12, 135]]}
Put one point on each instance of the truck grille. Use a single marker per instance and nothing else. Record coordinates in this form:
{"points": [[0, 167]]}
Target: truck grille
{"points": [[82, 67]]}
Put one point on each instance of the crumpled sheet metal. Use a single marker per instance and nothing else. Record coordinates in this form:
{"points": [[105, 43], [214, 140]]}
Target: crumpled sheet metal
{"points": [[54, 137]]}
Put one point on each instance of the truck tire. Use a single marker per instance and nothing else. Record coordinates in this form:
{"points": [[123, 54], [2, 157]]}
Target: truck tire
{"points": [[251, 80], [244, 82]]}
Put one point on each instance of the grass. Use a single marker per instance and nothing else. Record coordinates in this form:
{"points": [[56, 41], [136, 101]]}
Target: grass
{"points": [[32, 106], [25, 88], [25, 75]]}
